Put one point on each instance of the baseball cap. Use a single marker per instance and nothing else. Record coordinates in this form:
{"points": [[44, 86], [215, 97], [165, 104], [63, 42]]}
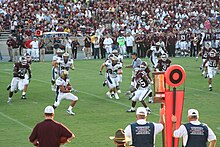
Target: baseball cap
{"points": [[193, 112], [141, 111], [49, 109], [119, 136]]}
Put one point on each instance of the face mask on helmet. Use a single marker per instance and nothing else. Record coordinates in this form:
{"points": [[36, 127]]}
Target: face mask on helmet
{"points": [[115, 52], [143, 65], [65, 57], [22, 60], [114, 60], [212, 54]]}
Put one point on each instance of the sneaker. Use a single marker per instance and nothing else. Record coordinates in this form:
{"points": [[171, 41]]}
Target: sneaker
{"points": [[70, 112], [148, 110], [131, 110], [116, 96], [23, 97], [8, 87], [119, 91], [150, 100], [9, 100]]}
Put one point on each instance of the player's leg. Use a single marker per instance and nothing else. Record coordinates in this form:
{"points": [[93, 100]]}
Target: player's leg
{"points": [[210, 75], [74, 99], [14, 87], [134, 101], [119, 82], [144, 94], [58, 99], [53, 79], [26, 82]]}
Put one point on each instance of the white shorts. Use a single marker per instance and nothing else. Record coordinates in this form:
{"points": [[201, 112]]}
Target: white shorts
{"points": [[67, 96], [141, 94], [122, 49], [112, 82], [183, 45], [17, 84], [154, 61], [211, 72], [108, 49]]}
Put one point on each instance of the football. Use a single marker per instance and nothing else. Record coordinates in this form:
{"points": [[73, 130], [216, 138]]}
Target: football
{"points": [[63, 140], [68, 87]]}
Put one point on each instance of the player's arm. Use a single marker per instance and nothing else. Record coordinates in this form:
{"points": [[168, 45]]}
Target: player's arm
{"points": [[120, 71], [29, 72], [205, 62], [101, 68]]}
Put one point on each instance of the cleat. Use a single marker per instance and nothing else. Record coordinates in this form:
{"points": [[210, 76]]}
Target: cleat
{"points": [[109, 95], [9, 100], [70, 112], [116, 96], [119, 91], [104, 83], [53, 88], [8, 87], [210, 88], [112, 95], [150, 100], [23, 97], [148, 110], [131, 110]]}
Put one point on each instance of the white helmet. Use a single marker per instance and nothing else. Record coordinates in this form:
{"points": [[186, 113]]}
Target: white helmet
{"points": [[23, 60], [212, 53], [164, 56], [143, 65]]}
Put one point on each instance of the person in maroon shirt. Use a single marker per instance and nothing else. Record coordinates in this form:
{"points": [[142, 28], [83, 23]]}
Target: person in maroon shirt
{"points": [[48, 133]]}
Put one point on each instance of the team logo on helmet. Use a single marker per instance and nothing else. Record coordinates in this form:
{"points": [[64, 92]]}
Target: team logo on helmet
{"points": [[143, 65]]}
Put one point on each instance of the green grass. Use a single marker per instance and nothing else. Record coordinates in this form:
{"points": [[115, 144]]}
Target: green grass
{"points": [[97, 117]]}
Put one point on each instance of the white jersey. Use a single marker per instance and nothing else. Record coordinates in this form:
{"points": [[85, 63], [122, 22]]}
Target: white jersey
{"points": [[120, 58], [61, 82], [65, 65], [55, 58], [112, 69], [155, 53]]}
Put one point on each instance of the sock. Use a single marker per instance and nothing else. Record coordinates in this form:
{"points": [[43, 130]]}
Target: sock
{"points": [[9, 98], [210, 85], [132, 108], [23, 93], [70, 108]]}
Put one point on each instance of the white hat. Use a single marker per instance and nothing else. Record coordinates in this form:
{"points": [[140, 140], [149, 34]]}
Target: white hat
{"points": [[49, 109], [141, 111], [193, 112]]}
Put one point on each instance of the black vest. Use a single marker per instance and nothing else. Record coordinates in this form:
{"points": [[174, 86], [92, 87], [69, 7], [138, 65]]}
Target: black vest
{"points": [[197, 135], [142, 135]]}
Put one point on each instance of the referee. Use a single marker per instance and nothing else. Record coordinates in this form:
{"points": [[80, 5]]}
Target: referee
{"points": [[48, 132], [135, 67], [194, 133]]}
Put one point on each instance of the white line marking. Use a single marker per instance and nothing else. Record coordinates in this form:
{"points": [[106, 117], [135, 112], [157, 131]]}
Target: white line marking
{"points": [[16, 121]]}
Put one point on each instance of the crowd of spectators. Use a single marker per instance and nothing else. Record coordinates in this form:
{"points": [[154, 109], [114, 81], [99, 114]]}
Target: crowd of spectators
{"points": [[156, 19]]}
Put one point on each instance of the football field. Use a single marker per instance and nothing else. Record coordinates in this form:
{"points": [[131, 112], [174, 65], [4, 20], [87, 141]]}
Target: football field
{"points": [[97, 117]]}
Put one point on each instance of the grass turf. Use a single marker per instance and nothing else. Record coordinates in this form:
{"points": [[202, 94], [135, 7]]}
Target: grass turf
{"points": [[97, 117]]}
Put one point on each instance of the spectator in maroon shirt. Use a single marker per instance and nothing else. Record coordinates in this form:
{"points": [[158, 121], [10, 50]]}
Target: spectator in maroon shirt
{"points": [[48, 133]]}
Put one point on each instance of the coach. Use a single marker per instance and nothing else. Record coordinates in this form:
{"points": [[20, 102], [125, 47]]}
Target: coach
{"points": [[142, 133], [194, 133], [49, 132]]}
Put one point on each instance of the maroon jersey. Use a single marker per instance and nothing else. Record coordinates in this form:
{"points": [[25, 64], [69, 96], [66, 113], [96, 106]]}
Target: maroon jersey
{"points": [[142, 79], [20, 70], [204, 54], [213, 61], [163, 65]]}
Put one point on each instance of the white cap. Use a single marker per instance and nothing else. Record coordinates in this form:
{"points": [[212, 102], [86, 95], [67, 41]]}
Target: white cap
{"points": [[141, 111], [49, 109], [193, 112]]}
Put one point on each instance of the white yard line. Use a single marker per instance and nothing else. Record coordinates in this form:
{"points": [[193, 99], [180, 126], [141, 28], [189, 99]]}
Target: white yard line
{"points": [[15, 120]]}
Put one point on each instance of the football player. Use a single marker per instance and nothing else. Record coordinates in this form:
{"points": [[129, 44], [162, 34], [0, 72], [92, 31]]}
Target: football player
{"points": [[163, 62], [65, 63], [26, 79], [204, 53], [55, 68], [113, 69], [213, 64], [63, 91], [20, 69], [155, 52], [143, 87]]}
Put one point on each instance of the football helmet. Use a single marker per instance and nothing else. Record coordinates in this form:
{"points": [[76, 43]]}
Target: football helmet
{"points": [[23, 60], [164, 57], [143, 65], [115, 52], [212, 53], [59, 52], [66, 56], [64, 74]]}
